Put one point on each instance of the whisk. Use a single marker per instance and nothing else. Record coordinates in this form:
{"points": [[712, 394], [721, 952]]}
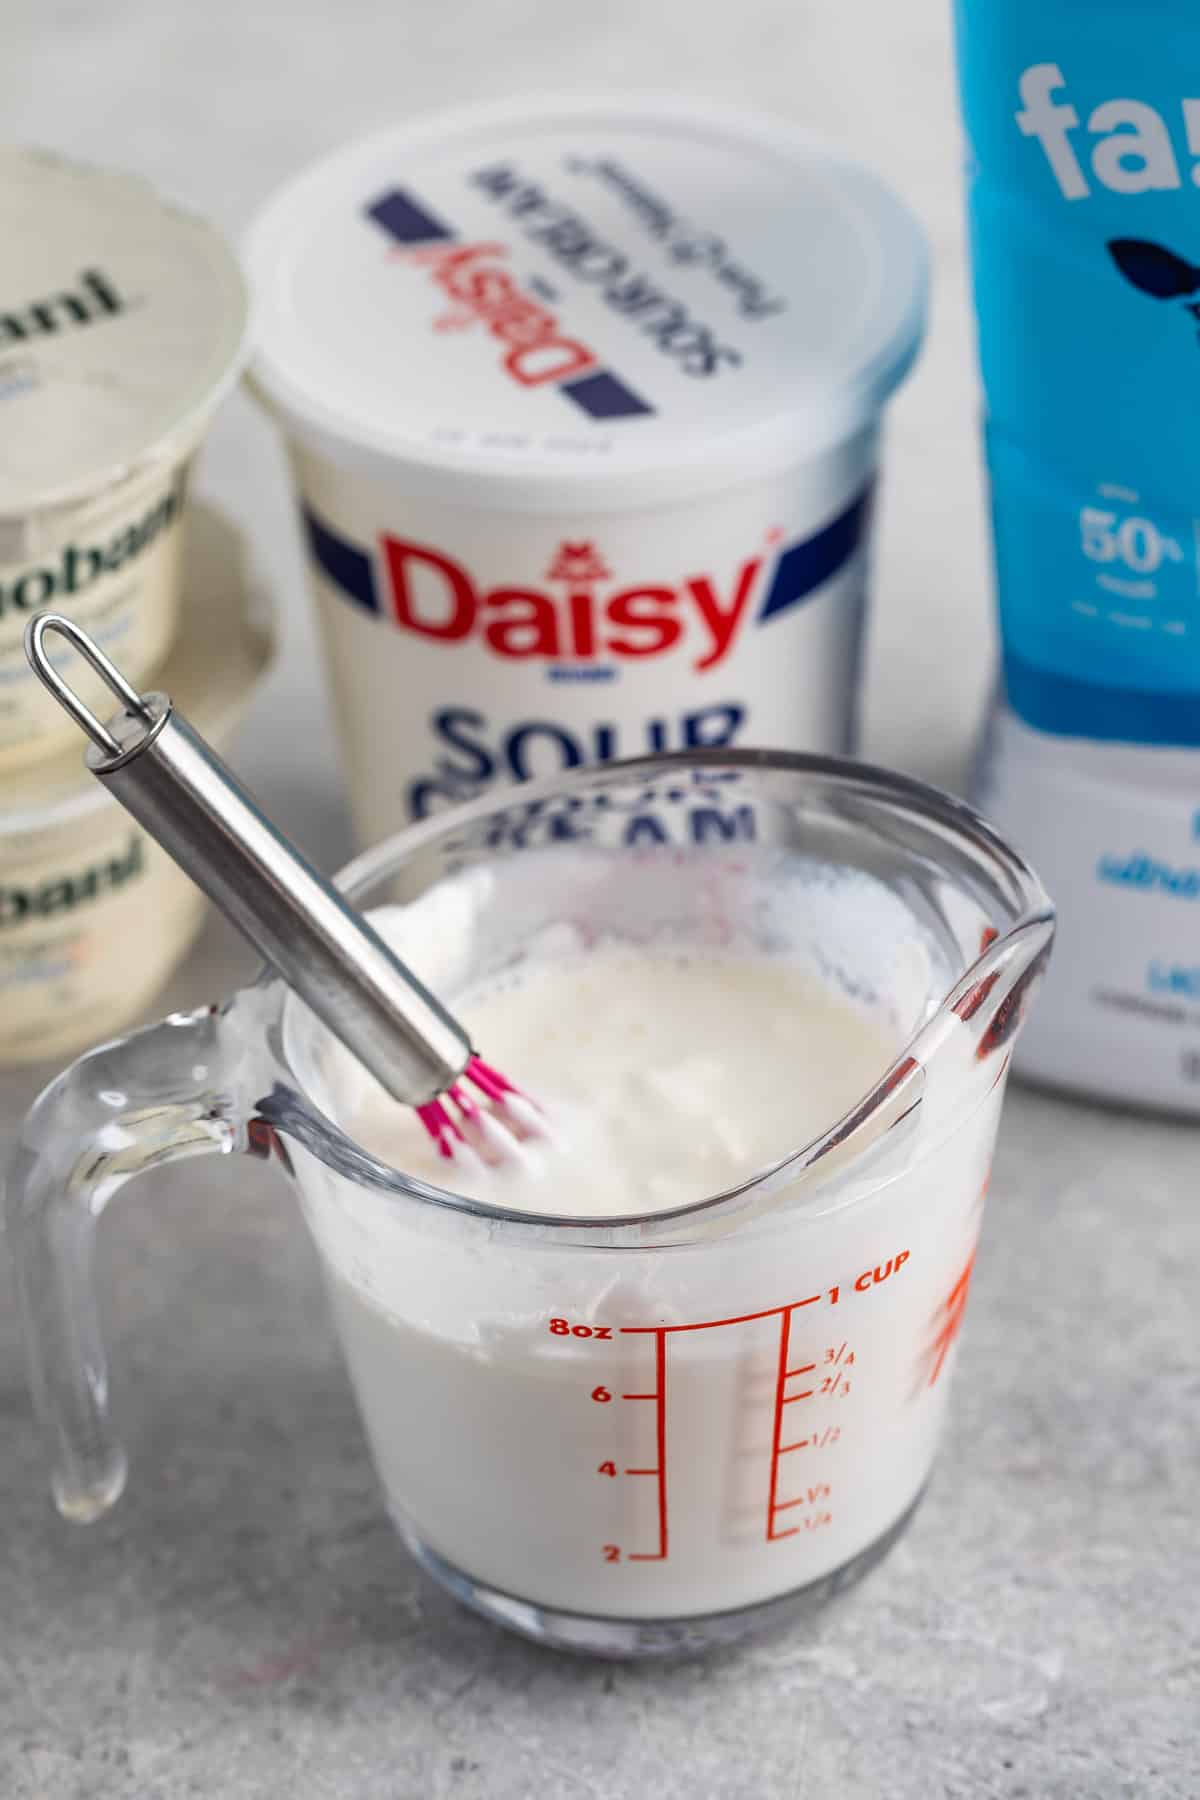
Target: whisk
{"points": [[179, 790]]}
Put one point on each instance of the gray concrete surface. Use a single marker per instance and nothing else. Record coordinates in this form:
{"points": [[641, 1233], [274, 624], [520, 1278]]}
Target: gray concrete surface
{"points": [[245, 1625]]}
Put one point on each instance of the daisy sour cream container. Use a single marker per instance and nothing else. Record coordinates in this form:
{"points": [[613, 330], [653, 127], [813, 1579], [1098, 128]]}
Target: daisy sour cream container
{"points": [[122, 323], [583, 403]]}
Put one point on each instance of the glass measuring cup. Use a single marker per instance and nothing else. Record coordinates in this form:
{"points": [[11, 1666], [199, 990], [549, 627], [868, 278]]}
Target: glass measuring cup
{"points": [[628, 1434]]}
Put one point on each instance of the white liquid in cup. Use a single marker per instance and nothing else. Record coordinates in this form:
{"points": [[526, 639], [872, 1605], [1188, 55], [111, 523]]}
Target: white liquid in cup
{"points": [[662, 1079], [658, 1434]]}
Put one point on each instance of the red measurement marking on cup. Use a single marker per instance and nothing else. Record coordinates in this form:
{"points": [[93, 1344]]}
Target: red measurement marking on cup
{"points": [[820, 1490], [795, 1385], [948, 1322], [660, 1334], [832, 1385], [659, 1397]]}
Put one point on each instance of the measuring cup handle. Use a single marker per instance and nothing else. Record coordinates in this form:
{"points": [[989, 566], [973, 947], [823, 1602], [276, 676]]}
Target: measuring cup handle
{"points": [[151, 1098]]}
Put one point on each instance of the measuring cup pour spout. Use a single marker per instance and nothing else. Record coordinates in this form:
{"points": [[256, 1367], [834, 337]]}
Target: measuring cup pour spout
{"points": [[696, 1434], [959, 1053], [969, 1036]]}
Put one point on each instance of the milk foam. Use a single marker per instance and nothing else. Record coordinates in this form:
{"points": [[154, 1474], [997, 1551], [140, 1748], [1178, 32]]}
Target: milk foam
{"points": [[663, 1078]]}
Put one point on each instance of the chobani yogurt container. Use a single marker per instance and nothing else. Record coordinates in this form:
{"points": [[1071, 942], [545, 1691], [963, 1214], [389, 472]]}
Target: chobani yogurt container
{"points": [[122, 323], [583, 403], [93, 915]]}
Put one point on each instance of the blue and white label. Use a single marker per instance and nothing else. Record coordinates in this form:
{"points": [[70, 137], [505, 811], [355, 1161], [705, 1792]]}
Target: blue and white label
{"points": [[1111, 830], [1085, 227]]}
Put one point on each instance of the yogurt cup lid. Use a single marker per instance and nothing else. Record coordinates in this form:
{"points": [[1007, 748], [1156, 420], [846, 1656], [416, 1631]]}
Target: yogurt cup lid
{"points": [[221, 654], [559, 295], [122, 320]]}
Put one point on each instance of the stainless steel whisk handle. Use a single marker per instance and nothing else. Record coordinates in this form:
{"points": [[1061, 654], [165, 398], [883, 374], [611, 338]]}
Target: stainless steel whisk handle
{"points": [[177, 787]]}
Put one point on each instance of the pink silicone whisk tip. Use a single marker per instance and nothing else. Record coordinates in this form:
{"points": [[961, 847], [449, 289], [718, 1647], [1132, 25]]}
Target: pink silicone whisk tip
{"points": [[446, 1130]]}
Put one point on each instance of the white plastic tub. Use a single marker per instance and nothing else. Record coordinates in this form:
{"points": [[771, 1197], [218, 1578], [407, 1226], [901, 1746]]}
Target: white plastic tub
{"points": [[93, 915], [583, 403], [122, 324]]}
